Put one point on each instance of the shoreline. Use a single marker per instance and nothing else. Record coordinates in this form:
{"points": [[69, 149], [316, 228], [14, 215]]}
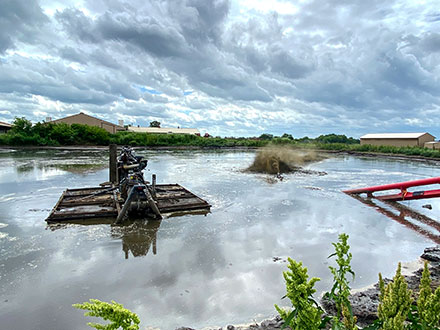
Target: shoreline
{"points": [[105, 148], [230, 148]]}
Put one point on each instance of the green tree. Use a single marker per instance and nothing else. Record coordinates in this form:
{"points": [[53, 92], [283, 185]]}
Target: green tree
{"points": [[335, 138], [154, 123], [266, 136], [22, 126], [63, 133]]}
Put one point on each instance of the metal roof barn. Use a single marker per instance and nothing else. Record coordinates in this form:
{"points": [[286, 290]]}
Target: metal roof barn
{"points": [[397, 139]]}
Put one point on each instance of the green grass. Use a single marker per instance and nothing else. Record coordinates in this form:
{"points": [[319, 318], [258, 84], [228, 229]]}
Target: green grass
{"points": [[408, 151]]}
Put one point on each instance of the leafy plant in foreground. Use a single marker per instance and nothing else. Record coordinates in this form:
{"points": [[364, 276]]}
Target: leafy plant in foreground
{"points": [[306, 314], [341, 290], [426, 315], [395, 302], [119, 316]]}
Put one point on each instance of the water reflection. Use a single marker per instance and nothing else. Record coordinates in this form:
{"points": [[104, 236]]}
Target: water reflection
{"points": [[418, 222], [138, 237], [62, 166]]}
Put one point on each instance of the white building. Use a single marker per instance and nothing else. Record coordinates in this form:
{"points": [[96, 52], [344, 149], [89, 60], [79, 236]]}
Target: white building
{"points": [[160, 130]]}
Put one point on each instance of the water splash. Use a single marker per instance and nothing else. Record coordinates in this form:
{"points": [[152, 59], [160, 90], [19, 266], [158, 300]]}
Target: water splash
{"points": [[282, 159]]}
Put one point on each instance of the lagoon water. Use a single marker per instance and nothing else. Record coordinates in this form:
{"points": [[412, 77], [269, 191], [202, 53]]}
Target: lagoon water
{"points": [[195, 270]]}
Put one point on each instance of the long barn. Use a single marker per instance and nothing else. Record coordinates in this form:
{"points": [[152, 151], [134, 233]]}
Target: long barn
{"points": [[397, 139]]}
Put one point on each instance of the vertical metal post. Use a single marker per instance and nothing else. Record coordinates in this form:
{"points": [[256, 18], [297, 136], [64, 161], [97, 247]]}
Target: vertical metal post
{"points": [[113, 166], [126, 206], [153, 185]]}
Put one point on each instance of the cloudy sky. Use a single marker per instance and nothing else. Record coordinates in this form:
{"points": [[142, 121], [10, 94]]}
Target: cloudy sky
{"points": [[239, 67]]}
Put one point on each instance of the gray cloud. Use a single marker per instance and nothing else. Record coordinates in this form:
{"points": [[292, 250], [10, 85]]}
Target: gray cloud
{"points": [[342, 66], [20, 20], [431, 42], [285, 64], [77, 25], [147, 33]]}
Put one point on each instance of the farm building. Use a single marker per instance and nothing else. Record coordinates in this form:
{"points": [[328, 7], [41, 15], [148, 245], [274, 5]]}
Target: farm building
{"points": [[4, 127], [159, 130], [397, 139], [433, 145], [82, 118]]}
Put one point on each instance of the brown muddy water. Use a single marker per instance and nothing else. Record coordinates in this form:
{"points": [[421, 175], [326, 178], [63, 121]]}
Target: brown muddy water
{"points": [[194, 270], [282, 159]]}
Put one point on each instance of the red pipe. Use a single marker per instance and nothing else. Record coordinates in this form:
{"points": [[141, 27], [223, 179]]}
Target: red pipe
{"points": [[411, 195], [400, 185]]}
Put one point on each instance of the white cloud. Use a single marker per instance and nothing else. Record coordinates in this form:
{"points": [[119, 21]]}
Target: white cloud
{"points": [[280, 7]]}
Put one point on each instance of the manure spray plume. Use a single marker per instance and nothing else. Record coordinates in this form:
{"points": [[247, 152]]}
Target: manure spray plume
{"points": [[280, 159]]}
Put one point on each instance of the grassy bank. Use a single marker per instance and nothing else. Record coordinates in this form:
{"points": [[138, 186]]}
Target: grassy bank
{"points": [[407, 151], [24, 133]]}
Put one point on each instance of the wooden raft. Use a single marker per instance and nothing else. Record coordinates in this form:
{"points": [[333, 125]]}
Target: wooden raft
{"points": [[105, 202]]}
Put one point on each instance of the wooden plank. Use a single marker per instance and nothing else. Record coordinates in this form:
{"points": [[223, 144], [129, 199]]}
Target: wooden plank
{"points": [[88, 188], [185, 208], [84, 192], [174, 201], [186, 204], [85, 215], [173, 195], [60, 218], [73, 203], [56, 205], [168, 187], [102, 199], [90, 196], [77, 211]]}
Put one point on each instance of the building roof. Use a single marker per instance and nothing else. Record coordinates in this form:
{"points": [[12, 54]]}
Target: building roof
{"points": [[86, 115], [394, 135], [3, 124], [163, 130]]}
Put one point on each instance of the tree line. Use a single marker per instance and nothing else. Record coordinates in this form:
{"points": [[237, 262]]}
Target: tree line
{"points": [[24, 133]]}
